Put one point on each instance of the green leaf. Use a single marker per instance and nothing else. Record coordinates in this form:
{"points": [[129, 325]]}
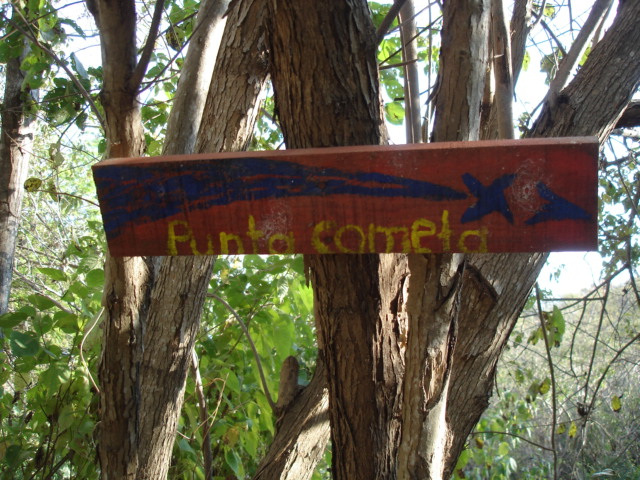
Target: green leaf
{"points": [[395, 112], [67, 322], [544, 386], [41, 302], [53, 273], [234, 462], [616, 403], [32, 184], [573, 430], [232, 381], [66, 417], [95, 278], [183, 445], [503, 448], [53, 377], [23, 344], [526, 60], [13, 455], [12, 319], [283, 337], [463, 459], [561, 429], [250, 441], [556, 326]]}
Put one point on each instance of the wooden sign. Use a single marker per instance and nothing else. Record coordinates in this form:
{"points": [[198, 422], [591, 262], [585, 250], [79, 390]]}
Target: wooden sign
{"points": [[492, 196]]}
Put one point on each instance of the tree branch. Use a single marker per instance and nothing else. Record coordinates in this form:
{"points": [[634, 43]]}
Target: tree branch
{"points": [[530, 442], [244, 328], [502, 70], [569, 61], [302, 434], [62, 64], [631, 116], [204, 415], [388, 20], [554, 398], [553, 36], [143, 62], [408, 32], [520, 29], [606, 71]]}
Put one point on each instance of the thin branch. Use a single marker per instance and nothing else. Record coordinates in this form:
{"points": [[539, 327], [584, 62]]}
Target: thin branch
{"points": [[37, 288], [555, 39], [69, 195], [394, 10], [204, 416], [606, 370], [95, 322], [408, 30], [540, 14], [398, 65], [151, 82], [143, 62], [253, 348], [59, 465], [62, 64], [569, 60], [554, 399], [420, 32], [595, 343], [502, 70], [530, 442]]}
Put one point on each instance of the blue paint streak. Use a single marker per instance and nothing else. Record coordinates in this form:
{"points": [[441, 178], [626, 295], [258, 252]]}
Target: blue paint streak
{"points": [[558, 208], [134, 194], [490, 199]]}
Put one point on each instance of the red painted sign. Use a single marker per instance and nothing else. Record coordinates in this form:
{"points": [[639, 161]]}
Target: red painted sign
{"points": [[490, 196]]}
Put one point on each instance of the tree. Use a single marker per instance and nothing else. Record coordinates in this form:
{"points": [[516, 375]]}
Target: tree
{"points": [[457, 311], [408, 344], [410, 411], [15, 149], [153, 305]]}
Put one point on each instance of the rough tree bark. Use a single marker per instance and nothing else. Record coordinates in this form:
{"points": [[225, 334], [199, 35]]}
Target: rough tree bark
{"points": [[325, 82], [458, 312], [154, 305], [16, 140], [303, 433]]}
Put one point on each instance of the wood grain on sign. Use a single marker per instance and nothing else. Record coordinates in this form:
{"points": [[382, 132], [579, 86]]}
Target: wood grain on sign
{"points": [[490, 196]]}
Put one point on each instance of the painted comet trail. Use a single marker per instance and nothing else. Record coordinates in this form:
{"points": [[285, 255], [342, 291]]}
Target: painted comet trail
{"points": [[533, 195]]}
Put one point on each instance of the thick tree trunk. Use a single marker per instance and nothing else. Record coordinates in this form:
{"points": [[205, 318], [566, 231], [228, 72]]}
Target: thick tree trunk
{"points": [[154, 305], [303, 433], [16, 140], [125, 296], [458, 313], [325, 82], [498, 285]]}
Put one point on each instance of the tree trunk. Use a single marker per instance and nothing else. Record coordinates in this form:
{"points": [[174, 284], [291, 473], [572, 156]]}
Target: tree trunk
{"points": [[326, 93], [443, 319], [154, 305], [458, 312], [15, 150], [303, 433]]}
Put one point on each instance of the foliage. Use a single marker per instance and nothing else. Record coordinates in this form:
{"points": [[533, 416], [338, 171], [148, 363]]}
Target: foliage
{"points": [[269, 294], [595, 352], [50, 340]]}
